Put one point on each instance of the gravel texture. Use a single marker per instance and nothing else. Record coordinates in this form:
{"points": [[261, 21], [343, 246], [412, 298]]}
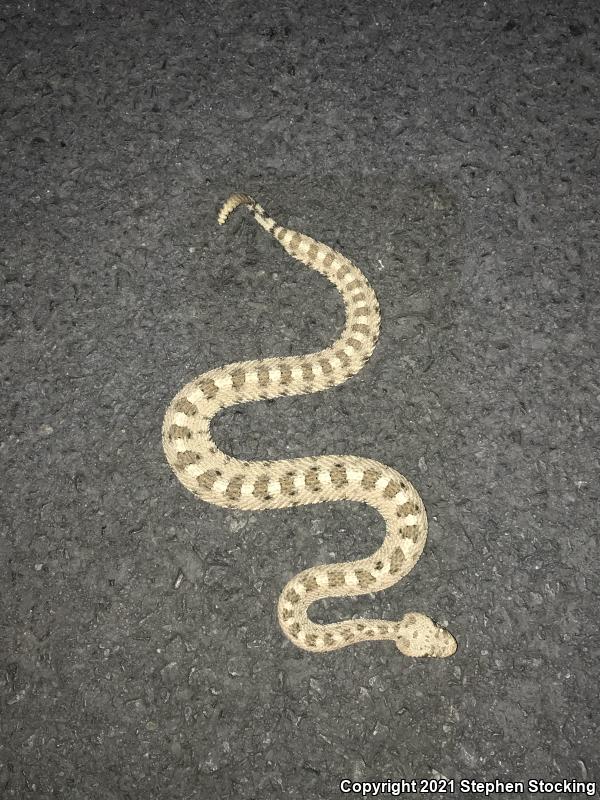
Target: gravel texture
{"points": [[451, 150]]}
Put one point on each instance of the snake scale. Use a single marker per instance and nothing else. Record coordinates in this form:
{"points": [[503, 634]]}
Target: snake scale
{"points": [[257, 485]]}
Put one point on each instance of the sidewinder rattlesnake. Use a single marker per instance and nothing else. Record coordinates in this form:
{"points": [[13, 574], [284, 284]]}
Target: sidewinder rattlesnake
{"points": [[256, 485]]}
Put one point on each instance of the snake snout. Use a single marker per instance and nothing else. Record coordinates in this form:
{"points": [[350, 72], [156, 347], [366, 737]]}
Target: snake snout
{"points": [[419, 636]]}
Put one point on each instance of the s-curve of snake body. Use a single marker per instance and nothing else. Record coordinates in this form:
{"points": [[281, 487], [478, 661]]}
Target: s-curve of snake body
{"points": [[258, 485]]}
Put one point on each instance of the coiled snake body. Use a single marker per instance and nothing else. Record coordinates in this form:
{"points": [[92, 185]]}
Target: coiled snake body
{"points": [[256, 485]]}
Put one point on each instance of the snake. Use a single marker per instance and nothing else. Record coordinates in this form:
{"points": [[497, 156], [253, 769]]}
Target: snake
{"points": [[218, 478]]}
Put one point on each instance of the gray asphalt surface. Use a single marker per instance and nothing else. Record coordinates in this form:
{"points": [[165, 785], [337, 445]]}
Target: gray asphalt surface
{"points": [[451, 151]]}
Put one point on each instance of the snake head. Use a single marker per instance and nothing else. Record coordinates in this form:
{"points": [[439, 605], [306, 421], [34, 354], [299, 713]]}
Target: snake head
{"points": [[418, 635]]}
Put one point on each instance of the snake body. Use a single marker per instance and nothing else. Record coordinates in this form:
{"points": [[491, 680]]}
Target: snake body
{"points": [[218, 478]]}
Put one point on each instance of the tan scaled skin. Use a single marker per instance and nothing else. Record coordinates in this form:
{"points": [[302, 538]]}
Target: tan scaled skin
{"points": [[257, 485]]}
